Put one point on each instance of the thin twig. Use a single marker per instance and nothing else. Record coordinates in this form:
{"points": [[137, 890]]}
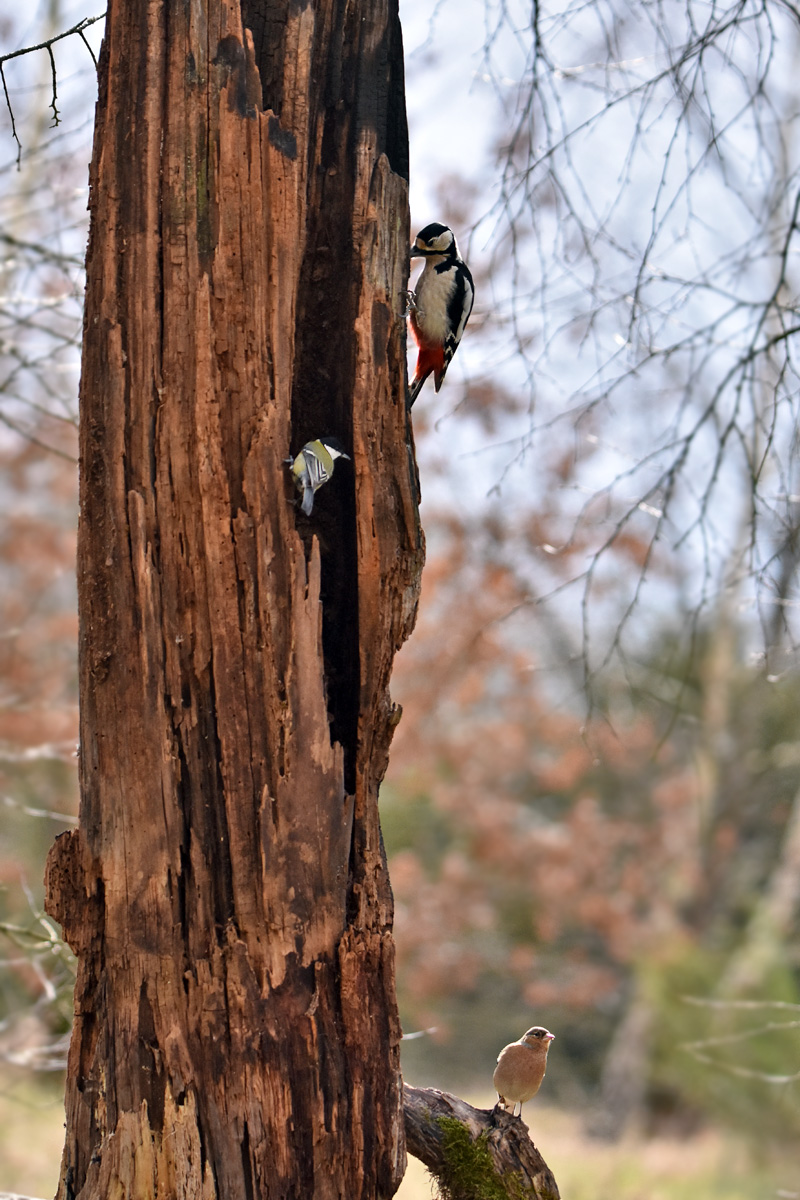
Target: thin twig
{"points": [[14, 133], [53, 104], [57, 37], [47, 45]]}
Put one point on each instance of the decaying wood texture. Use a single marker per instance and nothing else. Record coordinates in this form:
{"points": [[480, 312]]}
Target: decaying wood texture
{"points": [[517, 1164], [236, 1032]]}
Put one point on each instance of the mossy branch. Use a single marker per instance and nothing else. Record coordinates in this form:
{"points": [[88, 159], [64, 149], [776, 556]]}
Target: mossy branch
{"points": [[474, 1153]]}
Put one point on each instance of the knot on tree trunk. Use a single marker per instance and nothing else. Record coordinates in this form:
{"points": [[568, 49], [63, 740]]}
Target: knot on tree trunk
{"points": [[67, 898]]}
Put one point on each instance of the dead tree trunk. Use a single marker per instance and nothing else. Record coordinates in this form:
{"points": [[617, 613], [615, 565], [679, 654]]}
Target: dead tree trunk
{"points": [[236, 1031]]}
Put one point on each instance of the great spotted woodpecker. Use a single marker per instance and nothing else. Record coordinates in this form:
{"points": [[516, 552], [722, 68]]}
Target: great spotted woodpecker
{"points": [[440, 305], [313, 466]]}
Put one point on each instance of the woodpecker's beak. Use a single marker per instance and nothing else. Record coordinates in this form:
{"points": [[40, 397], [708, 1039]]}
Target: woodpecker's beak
{"points": [[416, 252]]}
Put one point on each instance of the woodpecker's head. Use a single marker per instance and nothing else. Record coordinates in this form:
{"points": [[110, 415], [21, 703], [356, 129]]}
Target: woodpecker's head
{"points": [[435, 242]]}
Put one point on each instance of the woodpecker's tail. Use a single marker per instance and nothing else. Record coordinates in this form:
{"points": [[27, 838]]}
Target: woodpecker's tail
{"points": [[429, 359], [414, 388]]}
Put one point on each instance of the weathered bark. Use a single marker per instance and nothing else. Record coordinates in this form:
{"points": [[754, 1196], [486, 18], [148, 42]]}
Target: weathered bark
{"points": [[515, 1163], [236, 1032]]}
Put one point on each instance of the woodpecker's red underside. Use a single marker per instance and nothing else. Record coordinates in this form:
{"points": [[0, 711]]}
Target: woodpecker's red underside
{"points": [[430, 358]]}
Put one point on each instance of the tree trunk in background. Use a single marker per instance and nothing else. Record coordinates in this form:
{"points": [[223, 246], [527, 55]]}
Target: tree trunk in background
{"points": [[626, 1068], [226, 893], [766, 941]]}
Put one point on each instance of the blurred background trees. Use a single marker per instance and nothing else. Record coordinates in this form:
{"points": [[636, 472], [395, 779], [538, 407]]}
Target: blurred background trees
{"points": [[592, 806], [594, 816], [43, 224]]}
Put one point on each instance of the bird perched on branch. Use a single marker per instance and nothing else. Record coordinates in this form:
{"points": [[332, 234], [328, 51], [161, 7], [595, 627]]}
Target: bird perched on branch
{"points": [[440, 304], [521, 1066], [313, 466]]}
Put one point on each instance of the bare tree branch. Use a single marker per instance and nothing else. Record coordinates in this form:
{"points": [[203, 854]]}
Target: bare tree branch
{"points": [[473, 1151], [660, 304], [47, 45]]}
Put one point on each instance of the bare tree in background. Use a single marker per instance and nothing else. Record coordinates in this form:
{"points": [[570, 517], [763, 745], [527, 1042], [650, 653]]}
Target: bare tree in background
{"points": [[42, 245], [649, 199], [648, 208], [644, 262], [42, 237]]}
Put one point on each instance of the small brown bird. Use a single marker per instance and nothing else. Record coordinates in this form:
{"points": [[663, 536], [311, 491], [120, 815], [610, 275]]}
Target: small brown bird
{"points": [[521, 1066]]}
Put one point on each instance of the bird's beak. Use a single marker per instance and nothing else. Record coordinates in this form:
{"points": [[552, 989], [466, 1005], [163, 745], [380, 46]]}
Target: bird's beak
{"points": [[551, 1037], [415, 252]]}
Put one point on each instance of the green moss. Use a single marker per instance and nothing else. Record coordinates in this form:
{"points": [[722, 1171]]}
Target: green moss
{"points": [[469, 1172]]}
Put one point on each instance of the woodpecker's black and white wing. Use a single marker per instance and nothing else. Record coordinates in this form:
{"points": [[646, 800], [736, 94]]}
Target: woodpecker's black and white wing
{"points": [[458, 312]]}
